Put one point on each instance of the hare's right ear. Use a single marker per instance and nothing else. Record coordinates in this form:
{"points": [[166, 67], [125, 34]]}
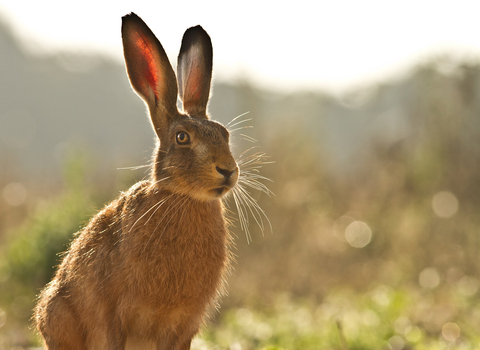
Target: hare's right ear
{"points": [[148, 68], [194, 71]]}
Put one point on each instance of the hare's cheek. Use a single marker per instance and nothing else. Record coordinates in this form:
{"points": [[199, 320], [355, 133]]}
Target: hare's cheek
{"points": [[201, 152], [166, 164]]}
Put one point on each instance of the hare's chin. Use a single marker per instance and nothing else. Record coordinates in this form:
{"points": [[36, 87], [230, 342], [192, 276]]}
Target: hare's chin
{"points": [[213, 194], [219, 191]]}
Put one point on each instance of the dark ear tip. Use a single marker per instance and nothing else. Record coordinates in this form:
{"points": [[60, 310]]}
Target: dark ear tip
{"points": [[196, 34], [197, 28], [131, 17], [196, 31]]}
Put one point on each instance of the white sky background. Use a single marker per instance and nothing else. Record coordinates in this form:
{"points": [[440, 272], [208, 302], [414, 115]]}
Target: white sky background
{"points": [[331, 45]]}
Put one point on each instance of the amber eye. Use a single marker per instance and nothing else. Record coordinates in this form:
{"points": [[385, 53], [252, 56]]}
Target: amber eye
{"points": [[183, 138]]}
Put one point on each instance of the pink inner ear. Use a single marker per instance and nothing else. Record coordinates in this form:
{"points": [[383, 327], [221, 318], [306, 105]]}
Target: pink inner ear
{"points": [[194, 88], [149, 71]]}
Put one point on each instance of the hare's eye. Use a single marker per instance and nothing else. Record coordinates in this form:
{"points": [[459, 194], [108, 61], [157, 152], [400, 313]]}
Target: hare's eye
{"points": [[183, 138]]}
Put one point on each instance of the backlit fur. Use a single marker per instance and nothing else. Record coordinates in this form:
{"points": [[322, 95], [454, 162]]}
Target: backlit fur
{"points": [[146, 269]]}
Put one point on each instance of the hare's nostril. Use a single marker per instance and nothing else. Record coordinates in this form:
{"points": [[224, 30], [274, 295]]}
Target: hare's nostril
{"points": [[226, 173]]}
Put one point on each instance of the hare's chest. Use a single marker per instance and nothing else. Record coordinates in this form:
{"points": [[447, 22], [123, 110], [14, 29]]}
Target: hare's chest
{"points": [[177, 286], [176, 257], [192, 265], [188, 266]]}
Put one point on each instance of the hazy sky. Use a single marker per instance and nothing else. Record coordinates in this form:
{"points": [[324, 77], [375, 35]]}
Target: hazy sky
{"points": [[332, 45]]}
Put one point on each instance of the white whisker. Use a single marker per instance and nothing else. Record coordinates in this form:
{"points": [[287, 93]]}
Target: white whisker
{"points": [[180, 202], [257, 185], [161, 203], [240, 161], [248, 138], [163, 179], [250, 177], [242, 217], [135, 167], [256, 211], [152, 207], [167, 211], [241, 128], [240, 122], [138, 166], [231, 121]]}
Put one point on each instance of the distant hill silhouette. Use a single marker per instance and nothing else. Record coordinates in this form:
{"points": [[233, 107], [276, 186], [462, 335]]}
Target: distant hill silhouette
{"points": [[47, 103]]}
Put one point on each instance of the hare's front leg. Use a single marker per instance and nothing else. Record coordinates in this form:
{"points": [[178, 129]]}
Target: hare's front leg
{"points": [[175, 344], [58, 325], [181, 339], [103, 332], [116, 338]]}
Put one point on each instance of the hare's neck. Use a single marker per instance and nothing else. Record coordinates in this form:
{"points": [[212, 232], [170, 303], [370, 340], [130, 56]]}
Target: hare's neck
{"points": [[182, 217], [157, 164]]}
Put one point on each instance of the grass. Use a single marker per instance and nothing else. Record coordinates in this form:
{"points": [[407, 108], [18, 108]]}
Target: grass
{"points": [[380, 318]]}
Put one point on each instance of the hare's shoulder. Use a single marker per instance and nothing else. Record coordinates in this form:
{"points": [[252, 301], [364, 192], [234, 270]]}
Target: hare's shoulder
{"points": [[100, 237], [130, 199], [107, 221]]}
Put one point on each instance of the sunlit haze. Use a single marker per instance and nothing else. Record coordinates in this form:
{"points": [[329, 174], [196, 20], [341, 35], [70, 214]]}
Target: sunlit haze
{"points": [[330, 45]]}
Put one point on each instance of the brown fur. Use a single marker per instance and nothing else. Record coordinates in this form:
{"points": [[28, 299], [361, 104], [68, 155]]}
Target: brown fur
{"points": [[145, 270]]}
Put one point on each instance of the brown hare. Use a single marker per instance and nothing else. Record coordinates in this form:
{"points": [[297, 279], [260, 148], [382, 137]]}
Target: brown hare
{"points": [[144, 271]]}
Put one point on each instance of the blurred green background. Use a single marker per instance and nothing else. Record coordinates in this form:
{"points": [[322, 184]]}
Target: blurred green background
{"points": [[376, 227]]}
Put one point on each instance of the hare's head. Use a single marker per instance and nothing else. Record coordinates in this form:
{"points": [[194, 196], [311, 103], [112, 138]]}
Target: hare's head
{"points": [[193, 156]]}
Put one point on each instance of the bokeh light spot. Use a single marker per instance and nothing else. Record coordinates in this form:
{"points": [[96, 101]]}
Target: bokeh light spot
{"points": [[429, 278], [263, 331], [402, 324], [413, 334], [445, 204], [396, 342], [14, 194], [468, 285], [244, 317], [236, 346], [450, 331], [358, 234]]}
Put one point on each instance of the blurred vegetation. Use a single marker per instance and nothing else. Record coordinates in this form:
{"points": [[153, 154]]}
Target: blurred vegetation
{"points": [[376, 252], [32, 249]]}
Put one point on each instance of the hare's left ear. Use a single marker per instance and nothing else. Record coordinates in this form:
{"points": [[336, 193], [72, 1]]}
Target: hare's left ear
{"points": [[194, 71], [149, 70]]}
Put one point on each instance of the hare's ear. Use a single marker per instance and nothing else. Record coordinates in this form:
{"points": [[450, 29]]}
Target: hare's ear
{"points": [[194, 70], [148, 68]]}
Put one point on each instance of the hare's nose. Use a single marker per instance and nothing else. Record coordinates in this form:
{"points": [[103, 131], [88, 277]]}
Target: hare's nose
{"points": [[225, 172]]}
